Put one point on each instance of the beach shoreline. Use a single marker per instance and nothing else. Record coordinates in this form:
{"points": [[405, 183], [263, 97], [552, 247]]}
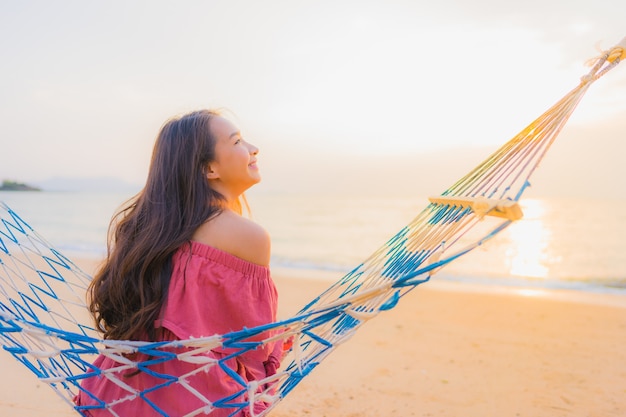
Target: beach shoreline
{"points": [[443, 282], [447, 349]]}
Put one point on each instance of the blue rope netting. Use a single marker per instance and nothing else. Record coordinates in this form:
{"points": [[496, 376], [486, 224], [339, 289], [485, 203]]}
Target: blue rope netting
{"points": [[44, 322]]}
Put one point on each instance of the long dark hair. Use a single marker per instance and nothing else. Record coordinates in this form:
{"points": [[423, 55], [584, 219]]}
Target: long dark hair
{"points": [[128, 291]]}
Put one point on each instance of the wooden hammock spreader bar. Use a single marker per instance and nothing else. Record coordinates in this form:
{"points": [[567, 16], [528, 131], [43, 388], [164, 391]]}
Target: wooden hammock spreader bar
{"points": [[482, 206]]}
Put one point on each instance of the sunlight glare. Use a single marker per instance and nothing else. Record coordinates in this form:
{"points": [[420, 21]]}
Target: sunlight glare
{"points": [[530, 240], [531, 292]]}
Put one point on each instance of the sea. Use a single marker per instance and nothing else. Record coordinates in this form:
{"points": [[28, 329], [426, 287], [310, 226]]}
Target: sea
{"points": [[564, 244]]}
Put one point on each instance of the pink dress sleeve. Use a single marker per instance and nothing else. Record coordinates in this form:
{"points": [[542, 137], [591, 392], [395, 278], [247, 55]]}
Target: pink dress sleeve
{"points": [[213, 292]]}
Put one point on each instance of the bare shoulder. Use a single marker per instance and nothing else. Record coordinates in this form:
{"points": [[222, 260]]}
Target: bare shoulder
{"points": [[238, 236]]}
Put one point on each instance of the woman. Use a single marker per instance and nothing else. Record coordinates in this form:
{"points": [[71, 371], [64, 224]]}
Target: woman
{"points": [[184, 263]]}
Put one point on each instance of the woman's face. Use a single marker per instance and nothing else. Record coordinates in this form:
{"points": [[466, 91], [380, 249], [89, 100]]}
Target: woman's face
{"points": [[234, 169]]}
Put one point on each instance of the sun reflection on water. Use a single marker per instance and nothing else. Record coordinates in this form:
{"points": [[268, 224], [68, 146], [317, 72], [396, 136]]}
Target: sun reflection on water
{"points": [[530, 238]]}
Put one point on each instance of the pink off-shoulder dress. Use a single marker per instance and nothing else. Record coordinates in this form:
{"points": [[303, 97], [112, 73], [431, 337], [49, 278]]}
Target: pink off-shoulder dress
{"points": [[211, 292]]}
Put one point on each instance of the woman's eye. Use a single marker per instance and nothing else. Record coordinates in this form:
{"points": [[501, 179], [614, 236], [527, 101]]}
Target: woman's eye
{"points": [[238, 141]]}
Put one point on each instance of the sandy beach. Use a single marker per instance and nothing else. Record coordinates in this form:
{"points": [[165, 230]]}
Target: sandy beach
{"points": [[445, 350]]}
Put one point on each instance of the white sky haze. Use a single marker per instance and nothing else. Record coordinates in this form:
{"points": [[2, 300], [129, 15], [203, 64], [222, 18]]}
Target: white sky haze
{"points": [[324, 88]]}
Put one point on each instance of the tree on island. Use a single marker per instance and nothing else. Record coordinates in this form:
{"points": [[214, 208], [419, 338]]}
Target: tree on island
{"points": [[8, 185]]}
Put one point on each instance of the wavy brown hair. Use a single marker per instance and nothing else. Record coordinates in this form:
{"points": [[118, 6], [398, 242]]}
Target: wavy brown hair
{"points": [[127, 293]]}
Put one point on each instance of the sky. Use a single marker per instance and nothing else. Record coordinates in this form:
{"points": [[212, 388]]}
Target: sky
{"points": [[343, 95]]}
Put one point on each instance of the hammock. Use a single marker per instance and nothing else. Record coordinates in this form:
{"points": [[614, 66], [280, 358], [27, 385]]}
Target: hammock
{"points": [[44, 321]]}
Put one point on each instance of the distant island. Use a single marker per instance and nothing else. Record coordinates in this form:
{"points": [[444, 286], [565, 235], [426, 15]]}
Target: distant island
{"points": [[16, 186]]}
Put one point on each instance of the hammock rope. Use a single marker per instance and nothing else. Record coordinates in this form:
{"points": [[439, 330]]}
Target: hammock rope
{"points": [[44, 322]]}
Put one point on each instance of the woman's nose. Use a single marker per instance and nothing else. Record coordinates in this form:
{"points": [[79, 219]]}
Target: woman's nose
{"points": [[253, 149]]}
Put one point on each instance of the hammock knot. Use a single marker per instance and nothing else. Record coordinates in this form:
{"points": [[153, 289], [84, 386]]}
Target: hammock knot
{"points": [[618, 52]]}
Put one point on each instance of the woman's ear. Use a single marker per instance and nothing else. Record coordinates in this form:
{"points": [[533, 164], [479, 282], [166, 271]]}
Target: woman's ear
{"points": [[211, 172]]}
